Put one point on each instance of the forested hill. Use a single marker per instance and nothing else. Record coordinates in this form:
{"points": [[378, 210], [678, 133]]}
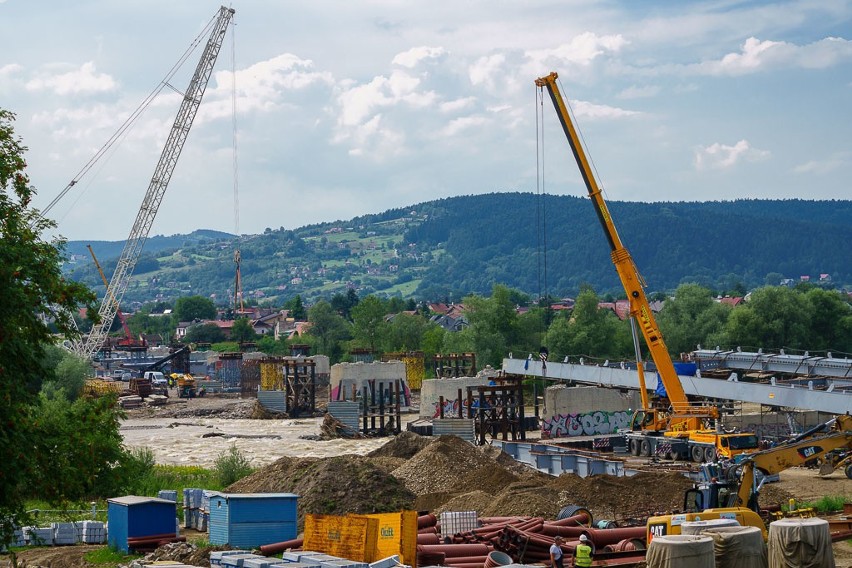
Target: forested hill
{"points": [[454, 246]]}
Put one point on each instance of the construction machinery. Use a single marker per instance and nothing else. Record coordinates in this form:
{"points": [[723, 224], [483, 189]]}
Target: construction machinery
{"points": [[674, 427], [185, 384], [157, 187], [732, 492], [128, 343]]}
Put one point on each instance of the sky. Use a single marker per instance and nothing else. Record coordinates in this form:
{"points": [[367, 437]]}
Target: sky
{"points": [[346, 108]]}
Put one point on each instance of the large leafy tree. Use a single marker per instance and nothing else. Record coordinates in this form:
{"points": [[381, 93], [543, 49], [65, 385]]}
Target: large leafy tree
{"points": [[32, 293], [692, 317], [590, 331], [243, 331], [328, 328], [191, 308], [368, 322], [775, 317]]}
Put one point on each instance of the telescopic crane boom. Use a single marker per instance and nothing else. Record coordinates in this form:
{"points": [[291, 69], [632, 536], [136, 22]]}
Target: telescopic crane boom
{"points": [[157, 187], [684, 415]]}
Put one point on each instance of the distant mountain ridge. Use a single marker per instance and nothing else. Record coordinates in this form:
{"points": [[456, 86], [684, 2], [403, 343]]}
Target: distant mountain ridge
{"points": [[454, 246]]}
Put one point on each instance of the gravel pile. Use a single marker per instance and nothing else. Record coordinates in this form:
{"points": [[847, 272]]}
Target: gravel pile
{"points": [[443, 465]]}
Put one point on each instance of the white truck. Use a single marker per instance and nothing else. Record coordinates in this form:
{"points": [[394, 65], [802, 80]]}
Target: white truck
{"points": [[158, 379]]}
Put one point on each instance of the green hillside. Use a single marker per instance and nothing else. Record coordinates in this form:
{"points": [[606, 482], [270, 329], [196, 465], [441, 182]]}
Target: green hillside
{"points": [[455, 246]]}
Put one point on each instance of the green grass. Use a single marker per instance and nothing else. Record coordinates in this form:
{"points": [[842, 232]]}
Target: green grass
{"points": [[109, 558], [826, 504]]}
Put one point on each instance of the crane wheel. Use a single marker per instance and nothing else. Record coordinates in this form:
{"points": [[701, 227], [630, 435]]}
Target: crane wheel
{"points": [[697, 453], [710, 454], [634, 447], [849, 471], [646, 448]]}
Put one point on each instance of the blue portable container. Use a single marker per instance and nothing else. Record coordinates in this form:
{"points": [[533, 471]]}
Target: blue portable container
{"points": [[133, 516], [249, 520]]}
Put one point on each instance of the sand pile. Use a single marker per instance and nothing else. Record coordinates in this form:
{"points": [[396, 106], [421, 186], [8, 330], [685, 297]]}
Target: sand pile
{"points": [[405, 445], [442, 465]]}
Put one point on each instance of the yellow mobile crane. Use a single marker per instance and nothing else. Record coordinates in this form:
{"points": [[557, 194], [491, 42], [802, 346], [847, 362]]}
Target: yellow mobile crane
{"points": [[679, 430]]}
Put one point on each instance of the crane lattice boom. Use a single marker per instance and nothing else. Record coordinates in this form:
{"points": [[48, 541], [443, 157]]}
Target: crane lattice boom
{"points": [[157, 188]]}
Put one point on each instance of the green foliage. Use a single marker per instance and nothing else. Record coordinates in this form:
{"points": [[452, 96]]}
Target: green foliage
{"points": [[242, 331], [296, 308], [692, 317], [774, 316], [369, 326], [67, 373], [590, 331], [177, 477], [31, 286], [329, 329], [231, 466], [823, 505], [108, 557], [191, 308], [204, 333], [77, 449]]}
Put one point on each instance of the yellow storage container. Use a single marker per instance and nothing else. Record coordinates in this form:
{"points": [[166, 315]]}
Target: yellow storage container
{"points": [[353, 537], [397, 534]]}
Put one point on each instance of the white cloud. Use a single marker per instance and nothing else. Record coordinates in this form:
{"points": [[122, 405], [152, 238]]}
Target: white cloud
{"points": [[636, 92], [824, 166], [758, 55], [10, 69], [457, 104], [584, 109], [459, 125], [485, 69], [82, 80], [720, 156], [415, 55], [581, 50]]}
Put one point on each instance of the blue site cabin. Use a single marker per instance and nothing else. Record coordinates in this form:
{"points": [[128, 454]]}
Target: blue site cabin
{"points": [[249, 520], [133, 516]]}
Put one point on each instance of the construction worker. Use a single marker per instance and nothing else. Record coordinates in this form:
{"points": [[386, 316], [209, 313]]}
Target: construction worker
{"points": [[583, 553]]}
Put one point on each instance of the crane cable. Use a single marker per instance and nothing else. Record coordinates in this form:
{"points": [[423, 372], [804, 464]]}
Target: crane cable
{"points": [[132, 119], [541, 212], [238, 281]]}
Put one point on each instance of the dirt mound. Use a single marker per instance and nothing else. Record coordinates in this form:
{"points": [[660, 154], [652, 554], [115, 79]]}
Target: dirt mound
{"points": [[443, 465], [404, 445], [331, 486], [618, 497], [472, 501]]}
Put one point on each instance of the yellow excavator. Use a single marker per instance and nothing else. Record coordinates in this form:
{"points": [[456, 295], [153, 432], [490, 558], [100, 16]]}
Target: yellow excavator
{"points": [[675, 428], [734, 493]]}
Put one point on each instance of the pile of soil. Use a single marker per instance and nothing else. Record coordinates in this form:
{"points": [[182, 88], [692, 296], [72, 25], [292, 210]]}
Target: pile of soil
{"points": [[405, 445], [443, 465], [331, 486]]}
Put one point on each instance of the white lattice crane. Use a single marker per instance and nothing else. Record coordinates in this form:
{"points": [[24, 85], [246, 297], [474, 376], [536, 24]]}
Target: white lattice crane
{"points": [[157, 188]]}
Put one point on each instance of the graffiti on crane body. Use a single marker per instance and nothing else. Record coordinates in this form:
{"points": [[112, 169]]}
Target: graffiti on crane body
{"points": [[588, 424]]}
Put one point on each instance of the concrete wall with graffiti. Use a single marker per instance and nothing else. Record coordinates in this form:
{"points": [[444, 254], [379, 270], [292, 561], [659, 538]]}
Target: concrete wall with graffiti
{"points": [[588, 424]]}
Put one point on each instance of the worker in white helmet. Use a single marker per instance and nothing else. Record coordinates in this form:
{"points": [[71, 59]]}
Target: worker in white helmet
{"points": [[583, 553]]}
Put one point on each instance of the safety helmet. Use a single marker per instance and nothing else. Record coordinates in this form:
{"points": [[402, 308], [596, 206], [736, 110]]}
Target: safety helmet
{"points": [[583, 538]]}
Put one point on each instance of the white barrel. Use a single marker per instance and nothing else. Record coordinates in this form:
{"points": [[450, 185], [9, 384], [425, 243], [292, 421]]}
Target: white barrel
{"points": [[681, 551], [738, 547], [800, 543], [695, 527]]}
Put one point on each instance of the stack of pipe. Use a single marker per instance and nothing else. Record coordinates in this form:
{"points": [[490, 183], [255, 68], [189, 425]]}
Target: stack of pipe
{"points": [[524, 539], [152, 542]]}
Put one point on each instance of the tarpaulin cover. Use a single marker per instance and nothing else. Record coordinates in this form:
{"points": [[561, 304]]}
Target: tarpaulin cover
{"points": [[697, 527], [800, 543], [738, 547], [681, 551]]}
